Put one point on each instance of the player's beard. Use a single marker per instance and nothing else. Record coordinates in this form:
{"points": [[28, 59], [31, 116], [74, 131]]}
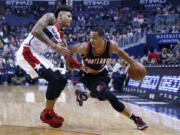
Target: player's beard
{"points": [[65, 24]]}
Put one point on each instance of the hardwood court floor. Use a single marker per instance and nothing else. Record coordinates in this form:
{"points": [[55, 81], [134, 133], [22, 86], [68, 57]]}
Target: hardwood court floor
{"points": [[20, 107]]}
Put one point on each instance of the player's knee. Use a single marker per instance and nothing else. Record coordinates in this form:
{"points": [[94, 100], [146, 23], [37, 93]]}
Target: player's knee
{"points": [[61, 85], [56, 83], [63, 82], [50, 76]]}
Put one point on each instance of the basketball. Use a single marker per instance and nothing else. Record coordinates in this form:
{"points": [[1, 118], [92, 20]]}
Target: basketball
{"points": [[137, 71]]}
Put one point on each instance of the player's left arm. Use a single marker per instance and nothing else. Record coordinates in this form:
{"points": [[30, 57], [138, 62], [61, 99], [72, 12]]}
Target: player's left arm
{"points": [[122, 54]]}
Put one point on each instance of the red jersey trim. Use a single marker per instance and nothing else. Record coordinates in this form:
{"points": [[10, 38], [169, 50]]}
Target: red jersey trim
{"points": [[110, 50], [61, 34], [29, 57]]}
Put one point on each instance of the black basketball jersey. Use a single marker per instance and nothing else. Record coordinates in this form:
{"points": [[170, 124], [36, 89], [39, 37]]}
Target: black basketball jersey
{"points": [[97, 61]]}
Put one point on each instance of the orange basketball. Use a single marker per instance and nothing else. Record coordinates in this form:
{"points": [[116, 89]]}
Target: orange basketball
{"points": [[137, 71]]}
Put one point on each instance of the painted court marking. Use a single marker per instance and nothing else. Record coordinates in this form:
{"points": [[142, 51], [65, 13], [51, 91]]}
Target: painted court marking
{"points": [[86, 133]]}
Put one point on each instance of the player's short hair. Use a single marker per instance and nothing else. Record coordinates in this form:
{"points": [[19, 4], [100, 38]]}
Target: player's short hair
{"points": [[99, 30], [62, 8]]}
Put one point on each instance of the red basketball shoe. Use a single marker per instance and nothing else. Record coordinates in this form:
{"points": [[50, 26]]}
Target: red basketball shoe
{"points": [[59, 117], [141, 125], [48, 116]]}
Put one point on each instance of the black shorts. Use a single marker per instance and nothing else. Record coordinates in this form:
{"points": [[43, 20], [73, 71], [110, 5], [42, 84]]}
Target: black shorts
{"points": [[91, 81]]}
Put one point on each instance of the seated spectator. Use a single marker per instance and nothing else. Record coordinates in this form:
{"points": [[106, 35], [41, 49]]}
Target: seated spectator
{"points": [[116, 66], [171, 57], [119, 74], [153, 56], [2, 69], [144, 59], [19, 78], [163, 56], [9, 72], [178, 57]]}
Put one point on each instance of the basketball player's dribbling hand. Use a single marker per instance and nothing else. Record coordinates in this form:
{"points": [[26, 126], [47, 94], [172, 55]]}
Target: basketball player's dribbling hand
{"points": [[135, 65]]}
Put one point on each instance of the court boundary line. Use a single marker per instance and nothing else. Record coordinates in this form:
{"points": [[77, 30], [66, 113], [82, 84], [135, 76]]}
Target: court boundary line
{"points": [[72, 131], [154, 112], [159, 115]]}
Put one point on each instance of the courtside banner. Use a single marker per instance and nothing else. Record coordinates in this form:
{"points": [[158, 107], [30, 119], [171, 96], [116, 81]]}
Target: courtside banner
{"points": [[152, 3], [158, 39], [97, 4], [28, 3], [162, 82], [19, 2]]}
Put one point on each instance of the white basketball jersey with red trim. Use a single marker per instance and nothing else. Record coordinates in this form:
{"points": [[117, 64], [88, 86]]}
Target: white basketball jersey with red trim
{"points": [[52, 32]]}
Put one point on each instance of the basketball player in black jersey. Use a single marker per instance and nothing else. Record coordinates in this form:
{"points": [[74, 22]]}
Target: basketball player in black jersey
{"points": [[94, 76]]}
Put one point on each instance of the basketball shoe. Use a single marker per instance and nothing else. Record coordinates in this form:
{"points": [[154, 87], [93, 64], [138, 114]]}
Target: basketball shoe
{"points": [[141, 125], [50, 117], [81, 96]]}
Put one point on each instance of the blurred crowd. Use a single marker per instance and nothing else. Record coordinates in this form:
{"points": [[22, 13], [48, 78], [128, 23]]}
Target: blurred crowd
{"points": [[125, 25], [170, 55]]}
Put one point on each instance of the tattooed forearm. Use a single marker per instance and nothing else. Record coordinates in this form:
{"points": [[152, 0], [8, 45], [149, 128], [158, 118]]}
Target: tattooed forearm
{"points": [[41, 25], [37, 31], [42, 37]]}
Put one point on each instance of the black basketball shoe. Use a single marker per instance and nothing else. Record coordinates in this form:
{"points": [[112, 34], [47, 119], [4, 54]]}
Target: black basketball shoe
{"points": [[81, 96]]}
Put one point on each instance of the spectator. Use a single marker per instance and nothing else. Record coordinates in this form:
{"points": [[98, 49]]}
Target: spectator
{"points": [[153, 56], [163, 56], [19, 77], [9, 72]]}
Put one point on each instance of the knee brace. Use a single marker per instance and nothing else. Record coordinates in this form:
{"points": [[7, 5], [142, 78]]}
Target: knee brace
{"points": [[56, 83], [51, 92], [50, 76], [61, 84]]}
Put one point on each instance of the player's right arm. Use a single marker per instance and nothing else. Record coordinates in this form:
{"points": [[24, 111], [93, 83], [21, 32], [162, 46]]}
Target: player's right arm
{"points": [[37, 31]]}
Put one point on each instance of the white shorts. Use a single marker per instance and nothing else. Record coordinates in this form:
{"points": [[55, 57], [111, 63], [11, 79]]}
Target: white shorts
{"points": [[29, 60]]}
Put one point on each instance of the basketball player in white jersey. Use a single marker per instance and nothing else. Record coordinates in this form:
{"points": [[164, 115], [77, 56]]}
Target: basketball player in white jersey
{"points": [[46, 34]]}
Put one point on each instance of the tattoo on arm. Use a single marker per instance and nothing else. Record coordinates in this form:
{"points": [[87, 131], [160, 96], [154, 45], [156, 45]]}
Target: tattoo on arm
{"points": [[37, 31], [41, 36], [51, 18]]}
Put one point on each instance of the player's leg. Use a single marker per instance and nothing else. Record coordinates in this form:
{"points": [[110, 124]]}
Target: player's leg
{"points": [[38, 66], [120, 107], [56, 83], [99, 89]]}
